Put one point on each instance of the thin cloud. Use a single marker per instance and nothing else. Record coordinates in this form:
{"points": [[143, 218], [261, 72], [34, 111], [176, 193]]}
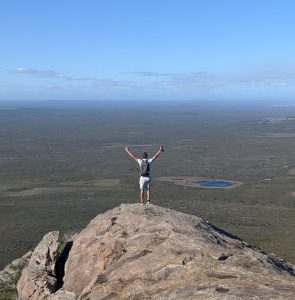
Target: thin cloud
{"points": [[49, 74], [38, 73], [178, 80], [90, 82], [149, 80], [159, 74], [207, 80], [111, 83], [265, 79], [148, 74]]}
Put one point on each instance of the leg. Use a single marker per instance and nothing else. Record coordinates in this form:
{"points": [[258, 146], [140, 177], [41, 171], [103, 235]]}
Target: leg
{"points": [[141, 194], [149, 195], [141, 187]]}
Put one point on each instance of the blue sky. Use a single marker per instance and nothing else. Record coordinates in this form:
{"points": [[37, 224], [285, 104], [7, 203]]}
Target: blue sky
{"points": [[147, 50]]}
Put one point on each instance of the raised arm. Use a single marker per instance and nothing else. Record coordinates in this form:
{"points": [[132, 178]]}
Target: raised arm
{"points": [[158, 153], [130, 153]]}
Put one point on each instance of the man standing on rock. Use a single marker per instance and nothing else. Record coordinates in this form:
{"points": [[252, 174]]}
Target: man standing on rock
{"points": [[145, 176]]}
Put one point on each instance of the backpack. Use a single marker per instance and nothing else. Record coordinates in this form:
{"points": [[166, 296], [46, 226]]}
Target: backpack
{"points": [[145, 168]]}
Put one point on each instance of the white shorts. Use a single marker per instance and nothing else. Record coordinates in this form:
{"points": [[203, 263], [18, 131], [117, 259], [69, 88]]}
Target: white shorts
{"points": [[145, 183]]}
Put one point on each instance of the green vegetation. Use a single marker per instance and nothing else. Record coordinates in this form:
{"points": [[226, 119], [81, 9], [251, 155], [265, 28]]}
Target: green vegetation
{"points": [[51, 160], [7, 293]]}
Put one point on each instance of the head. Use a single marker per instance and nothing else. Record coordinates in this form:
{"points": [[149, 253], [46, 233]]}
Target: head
{"points": [[144, 155]]}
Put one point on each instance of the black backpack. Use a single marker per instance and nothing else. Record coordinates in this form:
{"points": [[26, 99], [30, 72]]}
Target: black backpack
{"points": [[145, 168]]}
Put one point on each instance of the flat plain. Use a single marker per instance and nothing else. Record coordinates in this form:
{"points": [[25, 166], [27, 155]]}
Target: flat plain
{"points": [[62, 164]]}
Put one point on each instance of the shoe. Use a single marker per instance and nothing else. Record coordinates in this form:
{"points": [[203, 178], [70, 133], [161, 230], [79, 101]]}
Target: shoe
{"points": [[142, 203], [148, 202]]}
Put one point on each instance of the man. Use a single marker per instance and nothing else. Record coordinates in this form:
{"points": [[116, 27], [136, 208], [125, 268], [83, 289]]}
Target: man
{"points": [[145, 176]]}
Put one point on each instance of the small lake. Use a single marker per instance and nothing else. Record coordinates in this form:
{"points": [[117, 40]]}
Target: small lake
{"points": [[214, 183]]}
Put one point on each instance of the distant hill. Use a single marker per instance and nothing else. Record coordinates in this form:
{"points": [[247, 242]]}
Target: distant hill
{"points": [[151, 252]]}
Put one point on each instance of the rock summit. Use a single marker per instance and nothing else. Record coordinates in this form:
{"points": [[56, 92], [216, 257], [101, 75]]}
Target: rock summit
{"points": [[151, 252]]}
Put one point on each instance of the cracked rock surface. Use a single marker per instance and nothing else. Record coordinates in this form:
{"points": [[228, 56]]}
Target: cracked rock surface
{"points": [[38, 278], [151, 252]]}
